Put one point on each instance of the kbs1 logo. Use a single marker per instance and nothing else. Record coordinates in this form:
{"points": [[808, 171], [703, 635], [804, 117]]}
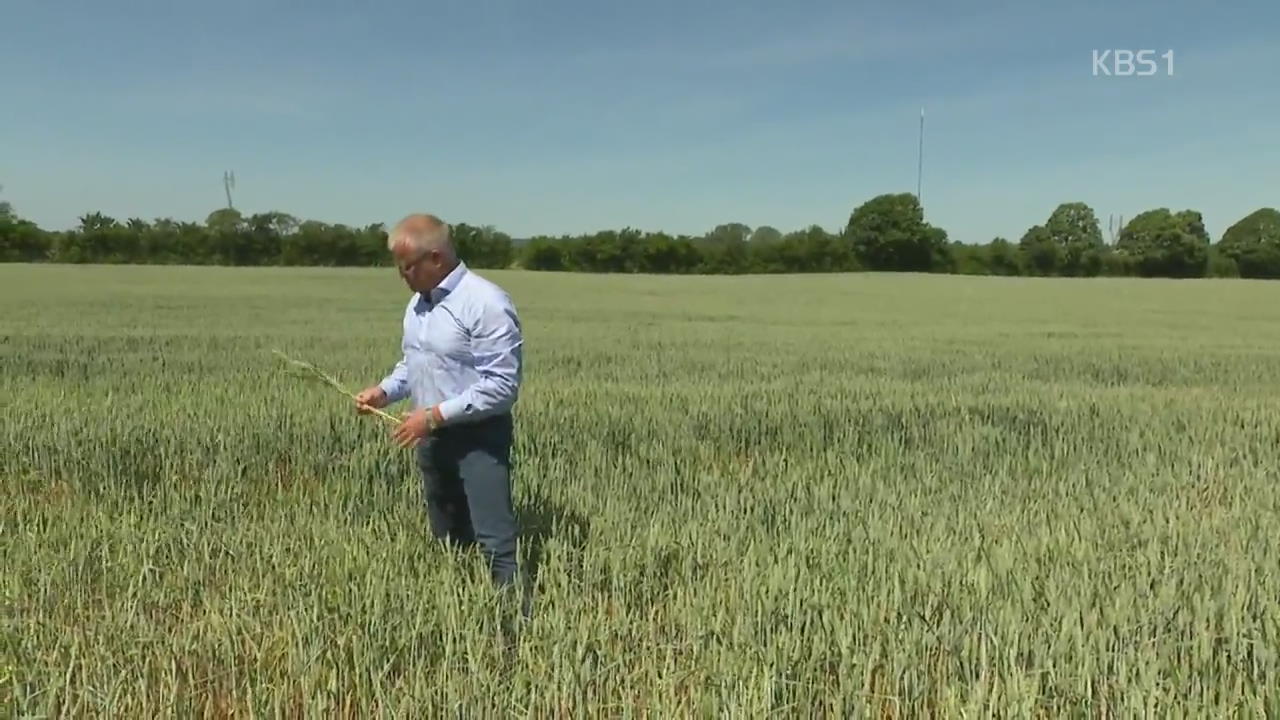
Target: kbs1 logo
{"points": [[1130, 62]]}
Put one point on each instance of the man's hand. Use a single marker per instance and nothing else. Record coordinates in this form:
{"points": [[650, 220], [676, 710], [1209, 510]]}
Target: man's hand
{"points": [[415, 426], [370, 398]]}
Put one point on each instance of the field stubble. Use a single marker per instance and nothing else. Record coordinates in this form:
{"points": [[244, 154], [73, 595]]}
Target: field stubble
{"points": [[832, 495]]}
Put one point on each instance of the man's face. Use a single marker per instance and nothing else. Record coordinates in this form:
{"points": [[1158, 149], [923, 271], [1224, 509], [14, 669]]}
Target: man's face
{"points": [[421, 271]]}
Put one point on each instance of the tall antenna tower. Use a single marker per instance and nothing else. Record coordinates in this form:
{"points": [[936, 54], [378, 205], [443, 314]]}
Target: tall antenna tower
{"points": [[1114, 226], [920, 167], [228, 182]]}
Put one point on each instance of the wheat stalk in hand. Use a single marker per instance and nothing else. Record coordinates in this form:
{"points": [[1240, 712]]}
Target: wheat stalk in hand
{"points": [[316, 373]]}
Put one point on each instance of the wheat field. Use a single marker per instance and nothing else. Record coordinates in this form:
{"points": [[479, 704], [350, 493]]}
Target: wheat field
{"points": [[809, 496]]}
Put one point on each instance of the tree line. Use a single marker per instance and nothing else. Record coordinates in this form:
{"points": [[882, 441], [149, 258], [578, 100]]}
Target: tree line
{"points": [[886, 233]]}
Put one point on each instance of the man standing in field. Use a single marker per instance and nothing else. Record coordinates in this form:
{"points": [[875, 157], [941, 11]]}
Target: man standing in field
{"points": [[461, 368]]}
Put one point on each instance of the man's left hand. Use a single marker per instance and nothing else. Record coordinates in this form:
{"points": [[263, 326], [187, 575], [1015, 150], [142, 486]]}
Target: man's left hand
{"points": [[415, 426]]}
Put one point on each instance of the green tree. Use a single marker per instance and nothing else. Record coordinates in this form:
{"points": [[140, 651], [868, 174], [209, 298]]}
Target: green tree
{"points": [[734, 232], [228, 238], [813, 249], [372, 239], [265, 233], [99, 238], [224, 219], [1253, 243], [1041, 255], [724, 249], [543, 253], [969, 259], [1002, 258], [888, 232], [310, 244], [482, 246], [663, 253], [1160, 243], [765, 234], [1221, 265], [1073, 228], [21, 240]]}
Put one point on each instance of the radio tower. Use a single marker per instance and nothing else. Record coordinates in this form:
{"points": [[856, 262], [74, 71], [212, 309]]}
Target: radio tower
{"points": [[228, 182], [920, 167]]}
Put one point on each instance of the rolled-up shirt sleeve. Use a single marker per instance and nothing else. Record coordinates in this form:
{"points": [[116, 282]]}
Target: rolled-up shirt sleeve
{"points": [[497, 348]]}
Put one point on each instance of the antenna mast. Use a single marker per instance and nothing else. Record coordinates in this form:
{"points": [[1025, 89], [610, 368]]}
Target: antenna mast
{"points": [[1114, 226], [920, 167], [228, 182]]}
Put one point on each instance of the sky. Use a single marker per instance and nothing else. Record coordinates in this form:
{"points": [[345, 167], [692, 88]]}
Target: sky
{"points": [[557, 117]]}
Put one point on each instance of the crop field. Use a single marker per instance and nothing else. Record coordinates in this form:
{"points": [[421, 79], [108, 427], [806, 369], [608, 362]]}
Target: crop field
{"points": [[839, 496]]}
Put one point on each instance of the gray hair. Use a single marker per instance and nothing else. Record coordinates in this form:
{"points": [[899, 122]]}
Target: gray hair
{"points": [[422, 232]]}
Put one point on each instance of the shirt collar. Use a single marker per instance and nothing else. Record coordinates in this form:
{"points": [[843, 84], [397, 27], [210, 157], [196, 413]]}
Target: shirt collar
{"points": [[447, 285]]}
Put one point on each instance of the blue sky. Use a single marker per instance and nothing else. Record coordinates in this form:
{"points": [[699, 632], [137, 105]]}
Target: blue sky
{"points": [[567, 117]]}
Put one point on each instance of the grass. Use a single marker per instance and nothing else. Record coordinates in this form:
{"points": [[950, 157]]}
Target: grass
{"points": [[818, 496]]}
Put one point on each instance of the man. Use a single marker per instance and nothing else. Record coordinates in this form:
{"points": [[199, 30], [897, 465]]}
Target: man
{"points": [[461, 367]]}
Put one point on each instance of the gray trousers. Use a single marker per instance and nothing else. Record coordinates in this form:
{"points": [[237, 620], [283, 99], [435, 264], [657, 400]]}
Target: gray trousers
{"points": [[466, 487]]}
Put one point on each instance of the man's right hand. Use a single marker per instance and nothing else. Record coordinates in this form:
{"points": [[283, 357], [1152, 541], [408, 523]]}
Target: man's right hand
{"points": [[370, 398]]}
